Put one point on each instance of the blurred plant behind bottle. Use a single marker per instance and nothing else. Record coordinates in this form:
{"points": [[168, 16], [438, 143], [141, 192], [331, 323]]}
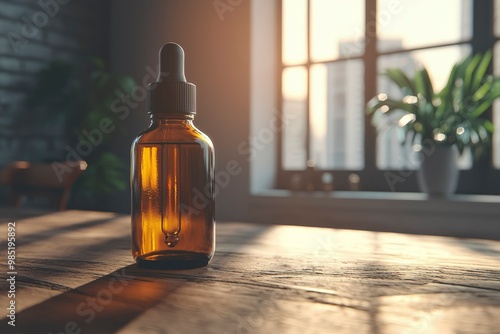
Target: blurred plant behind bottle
{"points": [[75, 100]]}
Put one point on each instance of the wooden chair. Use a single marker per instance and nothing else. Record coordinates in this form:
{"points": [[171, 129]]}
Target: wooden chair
{"points": [[53, 181]]}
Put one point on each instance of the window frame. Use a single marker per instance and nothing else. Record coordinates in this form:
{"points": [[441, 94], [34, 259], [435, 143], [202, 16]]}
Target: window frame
{"points": [[482, 178]]}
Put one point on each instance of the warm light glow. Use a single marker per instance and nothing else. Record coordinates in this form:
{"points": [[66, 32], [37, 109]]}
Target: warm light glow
{"points": [[294, 32], [337, 30], [149, 169], [410, 99], [150, 182], [382, 97], [439, 62], [402, 20], [439, 137], [22, 164], [406, 119], [354, 178], [295, 83], [83, 165], [318, 102], [417, 148], [171, 219]]}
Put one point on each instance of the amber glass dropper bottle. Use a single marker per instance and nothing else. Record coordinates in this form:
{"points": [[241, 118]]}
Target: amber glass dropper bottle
{"points": [[172, 176]]}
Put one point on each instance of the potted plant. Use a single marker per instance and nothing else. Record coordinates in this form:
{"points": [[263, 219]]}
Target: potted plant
{"points": [[448, 122], [72, 99]]}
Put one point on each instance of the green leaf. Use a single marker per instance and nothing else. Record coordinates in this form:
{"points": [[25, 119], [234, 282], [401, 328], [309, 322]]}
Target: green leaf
{"points": [[469, 71], [423, 84], [480, 109], [483, 133], [488, 125], [106, 175], [474, 137], [481, 70], [126, 83], [400, 79], [98, 63], [450, 85], [482, 91]]}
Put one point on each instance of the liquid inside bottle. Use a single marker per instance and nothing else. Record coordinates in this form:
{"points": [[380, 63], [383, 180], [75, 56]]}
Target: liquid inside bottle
{"points": [[173, 196]]}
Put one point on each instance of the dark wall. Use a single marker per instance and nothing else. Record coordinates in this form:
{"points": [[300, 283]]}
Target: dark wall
{"points": [[33, 33], [217, 48]]}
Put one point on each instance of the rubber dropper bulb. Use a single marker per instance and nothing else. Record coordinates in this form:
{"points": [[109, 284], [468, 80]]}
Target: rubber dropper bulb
{"points": [[171, 63]]}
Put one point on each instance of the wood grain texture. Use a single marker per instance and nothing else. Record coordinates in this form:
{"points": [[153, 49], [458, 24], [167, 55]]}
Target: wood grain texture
{"points": [[75, 271]]}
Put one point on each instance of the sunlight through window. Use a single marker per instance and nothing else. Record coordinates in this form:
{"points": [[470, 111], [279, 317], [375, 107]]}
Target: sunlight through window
{"points": [[333, 56]]}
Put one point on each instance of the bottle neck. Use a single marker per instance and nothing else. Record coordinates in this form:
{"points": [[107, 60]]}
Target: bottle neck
{"points": [[157, 118]]}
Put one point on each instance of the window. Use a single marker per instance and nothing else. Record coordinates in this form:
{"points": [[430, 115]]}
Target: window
{"points": [[332, 52]]}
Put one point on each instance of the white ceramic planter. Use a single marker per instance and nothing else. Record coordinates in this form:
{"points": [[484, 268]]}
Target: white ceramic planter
{"points": [[438, 173]]}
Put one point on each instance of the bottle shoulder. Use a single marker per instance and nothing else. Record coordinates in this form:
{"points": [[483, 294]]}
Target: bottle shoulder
{"points": [[164, 134]]}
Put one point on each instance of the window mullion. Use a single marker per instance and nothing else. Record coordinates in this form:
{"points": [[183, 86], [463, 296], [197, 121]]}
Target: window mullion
{"points": [[370, 78], [483, 40], [482, 26], [308, 105], [279, 90]]}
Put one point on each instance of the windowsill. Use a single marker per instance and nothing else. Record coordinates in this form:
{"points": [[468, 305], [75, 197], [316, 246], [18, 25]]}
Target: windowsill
{"points": [[377, 195], [473, 216]]}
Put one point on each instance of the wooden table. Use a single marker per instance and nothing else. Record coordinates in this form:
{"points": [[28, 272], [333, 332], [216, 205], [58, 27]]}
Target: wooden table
{"points": [[75, 274]]}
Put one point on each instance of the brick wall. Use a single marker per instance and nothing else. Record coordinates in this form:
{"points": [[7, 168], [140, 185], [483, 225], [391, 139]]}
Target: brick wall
{"points": [[33, 33]]}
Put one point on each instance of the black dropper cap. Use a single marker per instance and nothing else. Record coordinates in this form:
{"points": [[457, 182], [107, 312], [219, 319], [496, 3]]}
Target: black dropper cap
{"points": [[172, 94]]}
